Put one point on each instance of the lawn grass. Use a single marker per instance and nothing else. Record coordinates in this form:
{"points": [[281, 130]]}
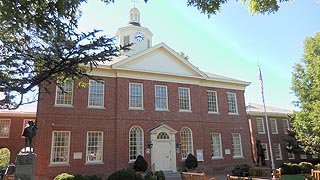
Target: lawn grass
{"points": [[293, 177]]}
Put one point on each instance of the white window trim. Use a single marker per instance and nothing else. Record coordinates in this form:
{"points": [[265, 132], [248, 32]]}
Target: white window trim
{"points": [[155, 98], [142, 103], [96, 161], [303, 156], [103, 96], [220, 139], [241, 148], [285, 131], [279, 148], [266, 150], [216, 96], [8, 128], [51, 152], [142, 135], [275, 124], [262, 121], [191, 135], [185, 110], [236, 104], [293, 157], [56, 96]]}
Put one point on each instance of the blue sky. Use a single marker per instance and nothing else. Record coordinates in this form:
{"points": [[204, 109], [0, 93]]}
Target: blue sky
{"points": [[231, 43]]}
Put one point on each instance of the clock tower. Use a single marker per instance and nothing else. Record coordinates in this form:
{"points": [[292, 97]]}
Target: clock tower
{"points": [[141, 37]]}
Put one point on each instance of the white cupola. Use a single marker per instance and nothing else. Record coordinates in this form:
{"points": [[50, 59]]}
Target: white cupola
{"points": [[141, 37]]}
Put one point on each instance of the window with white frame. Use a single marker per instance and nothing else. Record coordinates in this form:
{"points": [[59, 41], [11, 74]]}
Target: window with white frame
{"points": [[64, 94], [136, 95], [232, 103], [186, 142], [94, 151], [96, 94], [237, 145], [135, 143], [273, 125], [216, 145], [161, 97], [126, 40], [5, 128], [184, 99], [315, 156], [303, 155], [277, 151], [285, 124], [260, 126], [212, 102], [25, 124], [291, 155], [265, 148], [60, 148]]}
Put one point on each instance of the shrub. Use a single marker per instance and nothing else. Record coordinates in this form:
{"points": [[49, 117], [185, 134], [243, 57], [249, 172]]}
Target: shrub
{"points": [[123, 174], [306, 167], [295, 169], [140, 164], [317, 166], [64, 176], [150, 176], [160, 175], [4, 157], [86, 177], [191, 162], [241, 169], [287, 168]]}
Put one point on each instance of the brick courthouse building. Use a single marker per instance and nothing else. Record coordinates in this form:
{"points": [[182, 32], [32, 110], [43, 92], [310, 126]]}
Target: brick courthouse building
{"points": [[149, 101]]}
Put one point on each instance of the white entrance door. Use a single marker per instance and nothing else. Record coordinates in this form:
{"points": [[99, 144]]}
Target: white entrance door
{"points": [[164, 161]]}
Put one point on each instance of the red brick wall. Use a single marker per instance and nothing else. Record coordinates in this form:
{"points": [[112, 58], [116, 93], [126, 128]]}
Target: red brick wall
{"points": [[116, 120]]}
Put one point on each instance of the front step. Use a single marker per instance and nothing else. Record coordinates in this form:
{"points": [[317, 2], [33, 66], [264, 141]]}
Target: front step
{"points": [[170, 174]]}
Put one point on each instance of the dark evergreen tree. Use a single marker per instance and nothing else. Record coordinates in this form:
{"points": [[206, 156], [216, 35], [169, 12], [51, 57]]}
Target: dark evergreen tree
{"points": [[191, 161], [140, 164]]}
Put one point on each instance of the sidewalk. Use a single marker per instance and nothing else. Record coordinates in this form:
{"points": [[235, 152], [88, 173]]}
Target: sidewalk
{"points": [[217, 176]]}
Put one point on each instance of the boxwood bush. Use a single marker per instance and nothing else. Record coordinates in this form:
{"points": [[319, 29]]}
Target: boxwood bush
{"points": [[64, 176], [123, 174], [306, 167]]}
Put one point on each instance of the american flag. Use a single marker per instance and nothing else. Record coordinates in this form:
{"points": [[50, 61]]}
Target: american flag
{"points": [[260, 79]]}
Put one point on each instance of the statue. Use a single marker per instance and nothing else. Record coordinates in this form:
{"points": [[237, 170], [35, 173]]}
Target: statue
{"points": [[29, 132], [260, 154]]}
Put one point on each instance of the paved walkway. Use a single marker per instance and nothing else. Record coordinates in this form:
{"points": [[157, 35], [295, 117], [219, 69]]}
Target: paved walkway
{"points": [[217, 176]]}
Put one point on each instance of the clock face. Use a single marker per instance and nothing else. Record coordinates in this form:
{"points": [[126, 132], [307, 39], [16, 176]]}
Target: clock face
{"points": [[139, 36]]}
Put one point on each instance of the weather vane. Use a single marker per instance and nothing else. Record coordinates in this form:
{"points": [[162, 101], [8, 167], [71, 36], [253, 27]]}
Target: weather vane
{"points": [[134, 2]]}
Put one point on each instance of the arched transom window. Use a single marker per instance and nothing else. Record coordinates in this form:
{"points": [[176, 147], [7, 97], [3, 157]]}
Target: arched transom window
{"points": [[135, 142], [163, 135], [186, 142]]}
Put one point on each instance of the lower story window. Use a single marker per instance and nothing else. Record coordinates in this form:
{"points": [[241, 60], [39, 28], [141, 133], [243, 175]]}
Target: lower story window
{"points": [[237, 145], [60, 148], [94, 146]]}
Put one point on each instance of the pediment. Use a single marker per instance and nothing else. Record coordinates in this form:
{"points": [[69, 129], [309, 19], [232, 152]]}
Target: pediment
{"points": [[163, 128], [159, 59]]}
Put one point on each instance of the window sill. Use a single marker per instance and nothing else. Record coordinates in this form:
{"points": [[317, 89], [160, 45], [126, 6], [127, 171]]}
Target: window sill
{"points": [[93, 163], [213, 112], [238, 157], [185, 111], [161, 109], [134, 108], [233, 114], [96, 107], [63, 105], [59, 164], [217, 158]]}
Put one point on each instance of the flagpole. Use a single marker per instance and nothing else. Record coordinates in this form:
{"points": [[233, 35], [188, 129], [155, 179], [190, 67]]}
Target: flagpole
{"points": [[266, 120]]}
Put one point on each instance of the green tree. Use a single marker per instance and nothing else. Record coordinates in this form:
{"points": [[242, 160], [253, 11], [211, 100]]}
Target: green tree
{"points": [[306, 86], [4, 157]]}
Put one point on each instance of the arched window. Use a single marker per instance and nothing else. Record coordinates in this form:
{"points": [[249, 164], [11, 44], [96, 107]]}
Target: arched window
{"points": [[186, 142], [163, 135], [135, 142]]}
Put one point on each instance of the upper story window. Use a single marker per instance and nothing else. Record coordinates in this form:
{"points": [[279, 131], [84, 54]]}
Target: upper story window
{"points": [[216, 145], [232, 103], [136, 95], [4, 128], [135, 143], [212, 102], [260, 126], [64, 95], [186, 142], [273, 126], [96, 94], [94, 151], [184, 99], [126, 40], [285, 124], [161, 97], [60, 148], [237, 145]]}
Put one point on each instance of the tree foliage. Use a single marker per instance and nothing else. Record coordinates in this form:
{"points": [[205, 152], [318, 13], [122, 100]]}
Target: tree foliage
{"points": [[306, 86], [4, 157]]}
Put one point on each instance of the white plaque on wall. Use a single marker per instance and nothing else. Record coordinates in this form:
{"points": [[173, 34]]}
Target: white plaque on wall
{"points": [[200, 154], [227, 151], [77, 155]]}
